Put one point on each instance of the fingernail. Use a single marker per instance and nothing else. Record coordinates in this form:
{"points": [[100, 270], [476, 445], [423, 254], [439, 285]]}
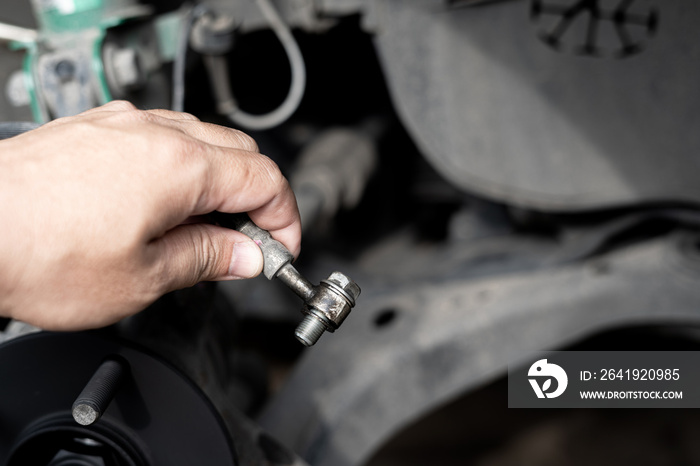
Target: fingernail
{"points": [[246, 260]]}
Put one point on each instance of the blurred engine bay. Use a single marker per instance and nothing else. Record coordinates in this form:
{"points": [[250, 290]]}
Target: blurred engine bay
{"points": [[500, 177]]}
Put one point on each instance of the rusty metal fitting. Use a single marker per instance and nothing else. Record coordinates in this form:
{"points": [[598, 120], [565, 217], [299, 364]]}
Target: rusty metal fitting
{"points": [[326, 306]]}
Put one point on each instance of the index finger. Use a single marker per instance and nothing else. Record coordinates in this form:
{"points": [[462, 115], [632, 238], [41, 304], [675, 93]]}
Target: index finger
{"points": [[236, 180]]}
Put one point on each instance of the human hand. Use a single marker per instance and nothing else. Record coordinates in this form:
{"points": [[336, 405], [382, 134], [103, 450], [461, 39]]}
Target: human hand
{"points": [[100, 213]]}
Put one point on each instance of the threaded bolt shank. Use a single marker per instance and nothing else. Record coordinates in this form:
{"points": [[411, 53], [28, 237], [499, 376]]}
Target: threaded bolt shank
{"points": [[309, 330], [94, 400]]}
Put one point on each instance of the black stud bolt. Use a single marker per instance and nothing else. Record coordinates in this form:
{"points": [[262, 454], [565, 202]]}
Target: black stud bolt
{"points": [[94, 400]]}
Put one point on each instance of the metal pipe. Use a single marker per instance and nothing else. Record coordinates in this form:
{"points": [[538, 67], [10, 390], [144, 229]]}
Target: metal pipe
{"points": [[10, 33], [296, 282]]}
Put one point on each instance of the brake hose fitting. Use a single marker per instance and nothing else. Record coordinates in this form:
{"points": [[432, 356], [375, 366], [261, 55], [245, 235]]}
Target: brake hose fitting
{"points": [[326, 306]]}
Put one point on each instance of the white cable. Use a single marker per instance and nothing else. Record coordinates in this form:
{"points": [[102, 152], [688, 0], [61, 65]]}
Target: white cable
{"points": [[298, 82]]}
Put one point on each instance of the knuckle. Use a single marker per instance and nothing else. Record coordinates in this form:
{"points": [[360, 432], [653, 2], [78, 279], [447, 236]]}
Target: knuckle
{"points": [[172, 115], [120, 105], [141, 116], [271, 171], [248, 143], [185, 159], [187, 150], [130, 117], [234, 138], [188, 116]]}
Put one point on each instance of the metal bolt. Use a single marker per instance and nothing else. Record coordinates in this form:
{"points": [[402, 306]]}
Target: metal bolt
{"points": [[348, 287], [94, 400], [213, 34], [310, 330], [330, 304], [65, 70], [127, 68], [326, 306]]}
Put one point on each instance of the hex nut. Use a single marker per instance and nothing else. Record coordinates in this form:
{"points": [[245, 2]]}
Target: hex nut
{"points": [[346, 284], [127, 68]]}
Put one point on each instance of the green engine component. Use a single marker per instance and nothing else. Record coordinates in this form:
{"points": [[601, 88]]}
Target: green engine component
{"points": [[61, 16], [70, 67]]}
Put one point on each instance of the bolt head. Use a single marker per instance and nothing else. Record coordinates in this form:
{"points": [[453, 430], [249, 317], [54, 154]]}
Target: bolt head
{"points": [[127, 67], [65, 70], [345, 283], [213, 34], [219, 24]]}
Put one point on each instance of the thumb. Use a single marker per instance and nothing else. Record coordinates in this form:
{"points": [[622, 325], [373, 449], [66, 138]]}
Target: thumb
{"points": [[189, 254]]}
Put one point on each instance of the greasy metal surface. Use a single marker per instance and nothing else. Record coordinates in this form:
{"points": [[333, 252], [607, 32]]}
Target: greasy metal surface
{"points": [[311, 329], [327, 308], [275, 255], [341, 283], [499, 112], [333, 300], [296, 282], [334, 307], [419, 343]]}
